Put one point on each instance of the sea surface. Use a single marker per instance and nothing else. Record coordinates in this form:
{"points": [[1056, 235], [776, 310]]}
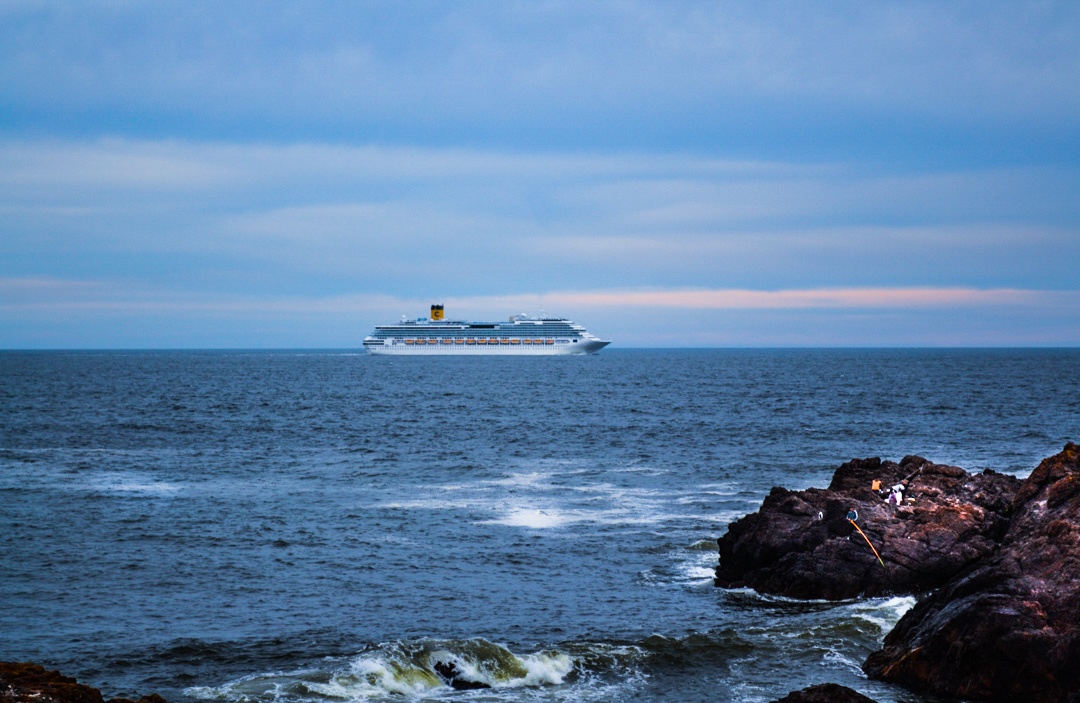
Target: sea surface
{"points": [[323, 526]]}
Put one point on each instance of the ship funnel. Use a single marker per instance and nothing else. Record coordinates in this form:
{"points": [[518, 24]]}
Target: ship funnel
{"points": [[436, 312]]}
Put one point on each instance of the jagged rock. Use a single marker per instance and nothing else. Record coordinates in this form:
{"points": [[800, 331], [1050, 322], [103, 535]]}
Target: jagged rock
{"points": [[33, 683], [826, 693], [456, 679], [800, 543], [1007, 629]]}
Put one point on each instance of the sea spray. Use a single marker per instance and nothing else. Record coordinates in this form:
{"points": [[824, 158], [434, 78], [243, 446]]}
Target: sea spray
{"points": [[408, 668]]}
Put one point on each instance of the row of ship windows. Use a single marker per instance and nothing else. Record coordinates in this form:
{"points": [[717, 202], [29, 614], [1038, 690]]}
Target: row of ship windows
{"points": [[548, 332], [452, 334], [480, 340]]}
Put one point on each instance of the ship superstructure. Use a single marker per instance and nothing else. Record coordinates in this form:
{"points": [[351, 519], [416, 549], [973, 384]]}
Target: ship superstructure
{"points": [[521, 334]]}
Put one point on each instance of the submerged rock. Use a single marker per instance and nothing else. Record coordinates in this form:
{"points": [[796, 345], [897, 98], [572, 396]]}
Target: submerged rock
{"points": [[456, 679], [1008, 628], [826, 693], [801, 544], [33, 683]]}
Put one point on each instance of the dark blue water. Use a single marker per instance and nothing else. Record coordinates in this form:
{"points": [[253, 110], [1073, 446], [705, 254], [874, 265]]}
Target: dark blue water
{"points": [[323, 526]]}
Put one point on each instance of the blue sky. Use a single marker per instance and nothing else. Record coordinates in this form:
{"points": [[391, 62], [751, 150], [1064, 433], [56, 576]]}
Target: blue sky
{"points": [[250, 174]]}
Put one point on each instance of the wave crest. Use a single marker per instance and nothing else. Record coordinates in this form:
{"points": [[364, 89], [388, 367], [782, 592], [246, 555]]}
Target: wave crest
{"points": [[414, 669]]}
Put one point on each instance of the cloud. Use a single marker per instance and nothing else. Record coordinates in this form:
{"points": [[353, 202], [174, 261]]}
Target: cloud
{"points": [[51, 293], [850, 298], [108, 165], [761, 171], [522, 71], [479, 221], [177, 228], [92, 314]]}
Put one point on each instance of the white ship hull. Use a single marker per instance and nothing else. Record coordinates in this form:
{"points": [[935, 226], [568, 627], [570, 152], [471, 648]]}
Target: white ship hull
{"points": [[566, 349]]}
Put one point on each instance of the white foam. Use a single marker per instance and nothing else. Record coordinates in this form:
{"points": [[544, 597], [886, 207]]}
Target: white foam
{"points": [[130, 483], [367, 677], [839, 660], [544, 498], [428, 505], [884, 613], [406, 671], [533, 519], [699, 573], [525, 480], [721, 489], [546, 668], [689, 567], [376, 676], [250, 687]]}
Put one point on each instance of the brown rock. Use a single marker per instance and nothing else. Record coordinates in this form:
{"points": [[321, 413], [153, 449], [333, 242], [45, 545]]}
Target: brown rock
{"points": [[1009, 628], [801, 545], [33, 683], [825, 693]]}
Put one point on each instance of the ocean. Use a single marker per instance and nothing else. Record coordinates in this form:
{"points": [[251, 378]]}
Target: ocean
{"points": [[322, 526]]}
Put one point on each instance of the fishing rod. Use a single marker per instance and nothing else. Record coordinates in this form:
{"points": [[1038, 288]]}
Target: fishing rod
{"points": [[869, 543]]}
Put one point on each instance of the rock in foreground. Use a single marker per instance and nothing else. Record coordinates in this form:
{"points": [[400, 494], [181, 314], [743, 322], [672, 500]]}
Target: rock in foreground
{"points": [[826, 693], [1009, 628], [32, 683], [801, 544]]}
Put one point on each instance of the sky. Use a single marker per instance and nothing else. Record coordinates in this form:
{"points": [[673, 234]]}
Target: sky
{"points": [[188, 174]]}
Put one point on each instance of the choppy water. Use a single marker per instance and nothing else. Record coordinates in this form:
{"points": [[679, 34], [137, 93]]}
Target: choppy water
{"points": [[325, 526]]}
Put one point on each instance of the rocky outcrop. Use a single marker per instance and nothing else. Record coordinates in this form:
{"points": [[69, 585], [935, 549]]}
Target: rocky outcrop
{"points": [[1008, 628], [801, 544], [825, 693], [32, 683]]}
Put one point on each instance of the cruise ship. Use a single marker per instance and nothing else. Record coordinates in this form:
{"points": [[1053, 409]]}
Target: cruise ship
{"points": [[522, 334]]}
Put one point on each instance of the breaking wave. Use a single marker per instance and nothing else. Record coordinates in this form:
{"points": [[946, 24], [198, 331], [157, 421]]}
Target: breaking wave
{"points": [[810, 636], [827, 637], [432, 670]]}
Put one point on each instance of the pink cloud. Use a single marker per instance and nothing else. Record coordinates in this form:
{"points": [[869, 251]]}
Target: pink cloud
{"points": [[55, 294]]}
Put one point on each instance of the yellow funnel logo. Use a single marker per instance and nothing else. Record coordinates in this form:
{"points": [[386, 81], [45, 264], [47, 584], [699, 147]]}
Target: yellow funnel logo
{"points": [[436, 312]]}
